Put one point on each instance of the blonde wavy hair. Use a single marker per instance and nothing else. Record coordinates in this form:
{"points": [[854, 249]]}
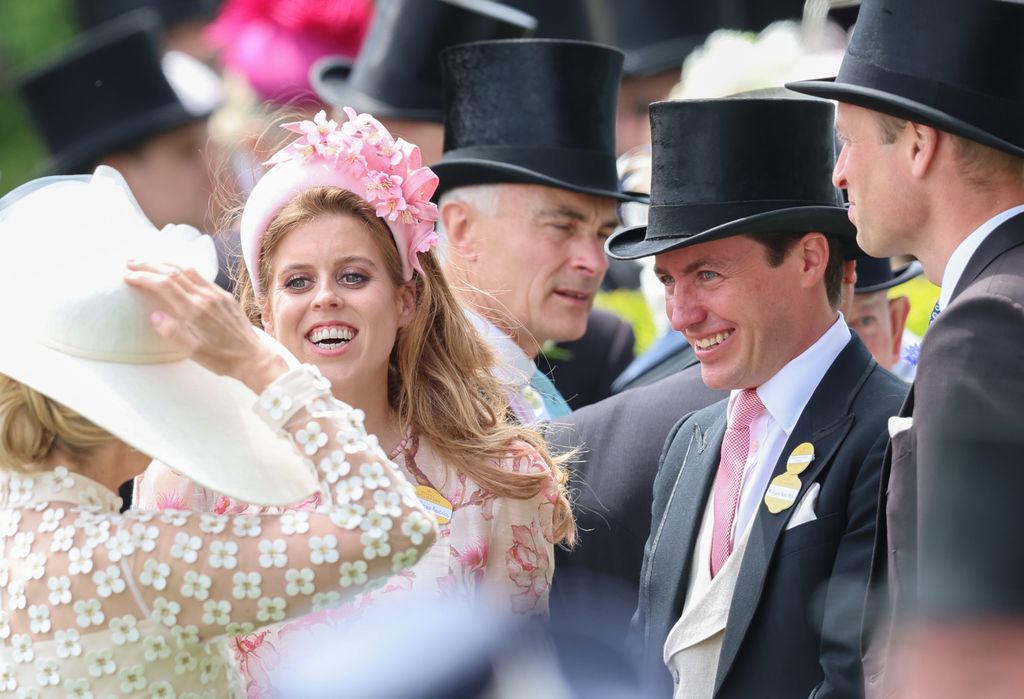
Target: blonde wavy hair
{"points": [[439, 376], [33, 425]]}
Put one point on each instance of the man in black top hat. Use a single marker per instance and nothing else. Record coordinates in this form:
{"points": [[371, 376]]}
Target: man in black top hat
{"points": [[878, 319], [755, 572], [109, 99], [397, 75], [528, 189], [933, 160]]}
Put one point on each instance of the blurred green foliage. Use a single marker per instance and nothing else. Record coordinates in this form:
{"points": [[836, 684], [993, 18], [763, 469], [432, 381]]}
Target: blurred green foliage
{"points": [[29, 31]]}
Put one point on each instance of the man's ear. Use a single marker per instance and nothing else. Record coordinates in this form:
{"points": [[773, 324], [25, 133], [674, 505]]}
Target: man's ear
{"points": [[921, 147], [899, 309], [814, 249], [457, 220]]}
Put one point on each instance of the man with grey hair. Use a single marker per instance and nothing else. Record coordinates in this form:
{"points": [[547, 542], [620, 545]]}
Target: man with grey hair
{"points": [[526, 204]]}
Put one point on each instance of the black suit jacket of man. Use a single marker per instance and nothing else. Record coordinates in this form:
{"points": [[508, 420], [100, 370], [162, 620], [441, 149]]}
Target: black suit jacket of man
{"points": [[794, 623], [952, 482], [620, 441]]}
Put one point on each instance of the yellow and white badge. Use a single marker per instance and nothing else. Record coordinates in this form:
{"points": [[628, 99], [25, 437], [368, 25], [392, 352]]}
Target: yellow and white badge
{"points": [[435, 503], [784, 488]]}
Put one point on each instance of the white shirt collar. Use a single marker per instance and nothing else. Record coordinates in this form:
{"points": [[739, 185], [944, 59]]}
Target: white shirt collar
{"points": [[965, 251], [786, 394], [514, 365]]}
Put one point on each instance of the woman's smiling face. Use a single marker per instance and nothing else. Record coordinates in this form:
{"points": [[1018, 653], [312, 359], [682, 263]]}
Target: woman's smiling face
{"points": [[333, 303]]}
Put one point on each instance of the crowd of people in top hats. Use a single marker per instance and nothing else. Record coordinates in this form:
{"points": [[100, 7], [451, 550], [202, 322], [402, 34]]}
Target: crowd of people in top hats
{"points": [[366, 432]]}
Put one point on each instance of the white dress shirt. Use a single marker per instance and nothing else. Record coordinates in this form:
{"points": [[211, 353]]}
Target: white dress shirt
{"points": [[965, 251], [785, 396]]}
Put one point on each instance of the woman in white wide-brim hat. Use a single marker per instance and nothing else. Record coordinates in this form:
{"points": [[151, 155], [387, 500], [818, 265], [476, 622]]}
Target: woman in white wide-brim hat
{"points": [[119, 349], [337, 242]]}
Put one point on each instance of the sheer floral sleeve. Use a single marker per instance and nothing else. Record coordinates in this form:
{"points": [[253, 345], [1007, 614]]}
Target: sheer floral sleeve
{"points": [[521, 553], [78, 577]]}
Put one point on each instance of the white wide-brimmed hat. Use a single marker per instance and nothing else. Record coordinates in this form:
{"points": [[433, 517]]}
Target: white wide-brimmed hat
{"points": [[74, 331]]}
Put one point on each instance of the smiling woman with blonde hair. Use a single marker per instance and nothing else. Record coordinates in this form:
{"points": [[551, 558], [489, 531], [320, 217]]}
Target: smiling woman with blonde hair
{"points": [[337, 242]]}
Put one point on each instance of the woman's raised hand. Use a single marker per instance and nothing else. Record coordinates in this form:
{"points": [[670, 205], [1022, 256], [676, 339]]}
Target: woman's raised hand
{"points": [[201, 317]]}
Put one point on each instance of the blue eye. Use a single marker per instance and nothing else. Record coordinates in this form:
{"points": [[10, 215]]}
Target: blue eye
{"points": [[707, 276], [353, 278], [296, 283]]}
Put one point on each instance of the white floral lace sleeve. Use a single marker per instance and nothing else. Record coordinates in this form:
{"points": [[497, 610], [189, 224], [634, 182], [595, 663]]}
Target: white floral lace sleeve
{"points": [[97, 603]]}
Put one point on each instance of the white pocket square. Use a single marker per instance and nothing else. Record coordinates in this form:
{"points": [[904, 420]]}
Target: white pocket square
{"points": [[899, 424], [804, 511]]}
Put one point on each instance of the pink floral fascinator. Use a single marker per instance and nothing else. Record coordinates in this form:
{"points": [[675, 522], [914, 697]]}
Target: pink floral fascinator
{"points": [[360, 156]]}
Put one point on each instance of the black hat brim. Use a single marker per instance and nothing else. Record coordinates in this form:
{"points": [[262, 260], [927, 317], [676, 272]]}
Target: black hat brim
{"points": [[903, 275], [463, 172], [901, 107], [632, 243], [330, 79]]}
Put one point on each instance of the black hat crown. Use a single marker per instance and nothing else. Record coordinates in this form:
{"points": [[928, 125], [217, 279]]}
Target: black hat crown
{"points": [[538, 111], [95, 12], [656, 35], [737, 165], [952, 64], [398, 73], [877, 273], [107, 91]]}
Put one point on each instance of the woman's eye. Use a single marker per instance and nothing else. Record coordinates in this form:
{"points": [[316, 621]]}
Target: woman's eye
{"points": [[351, 278], [296, 283]]}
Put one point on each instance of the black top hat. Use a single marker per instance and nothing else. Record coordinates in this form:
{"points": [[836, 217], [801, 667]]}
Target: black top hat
{"points": [[105, 92], [737, 165], [397, 73], [95, 12], [877, 274], [657, 35], [531, 111], [951, 64], [556, 19]]}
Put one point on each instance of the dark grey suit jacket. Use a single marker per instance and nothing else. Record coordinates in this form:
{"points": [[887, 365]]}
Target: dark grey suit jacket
{"points": [[621, 440], [953, 482], [794, 623]]}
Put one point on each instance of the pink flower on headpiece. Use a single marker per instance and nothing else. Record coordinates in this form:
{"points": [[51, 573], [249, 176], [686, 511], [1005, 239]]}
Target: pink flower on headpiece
{"points": [[362, 156]]}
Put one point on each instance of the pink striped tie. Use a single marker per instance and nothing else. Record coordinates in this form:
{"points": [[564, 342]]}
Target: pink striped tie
{"points": [[735, 448]]}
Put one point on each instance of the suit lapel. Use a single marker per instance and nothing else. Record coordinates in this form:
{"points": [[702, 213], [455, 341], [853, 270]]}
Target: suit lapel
{"points": [[824, 422], [676, 534], [1007, 235]]}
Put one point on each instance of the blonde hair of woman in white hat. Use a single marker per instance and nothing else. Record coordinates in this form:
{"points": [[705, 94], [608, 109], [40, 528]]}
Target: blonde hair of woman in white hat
{"points": [[337, 242], [108, 363]]}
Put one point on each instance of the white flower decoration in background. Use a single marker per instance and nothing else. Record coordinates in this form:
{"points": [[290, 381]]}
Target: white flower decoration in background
{"points": [[348, 515], [59, 478], [154, 574], [108, 582], [300, 582], [184, 662], [132, 678], [236, 628], [294, 523], [389, 504], [247, 525], [312, 438], [16, 594], [124, 630], [185, 635], [21, 648], [350, 490], [36, 564], [175, 518], [323, 549], [51, 519], [97, 533], [5, 625], [144, 537], [216, 612], [80, 560], [69, 643], [8, 682], [270, 609], [374, 476], [63, 538], [19, 489], [156, 648], [376, 525], [101, 662], [212, 524], [186, 547], [165, 611], [22, 544], [47, 673], [416, 526], [120, 545], [326, 600], [223, 554], [353, 573], [404, 559], [276, 402], [335, 466], [196, 585], [78, 689], [89, 611], [247, 585], [272, 553], [39, 618]]}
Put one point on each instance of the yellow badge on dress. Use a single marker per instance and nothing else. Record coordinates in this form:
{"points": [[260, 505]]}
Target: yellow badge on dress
{"points": [[784, 488], [435, 503]]}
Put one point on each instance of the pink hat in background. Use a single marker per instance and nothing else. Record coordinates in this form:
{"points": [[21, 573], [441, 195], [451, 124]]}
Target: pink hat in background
{"points": [[273, 43]]}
